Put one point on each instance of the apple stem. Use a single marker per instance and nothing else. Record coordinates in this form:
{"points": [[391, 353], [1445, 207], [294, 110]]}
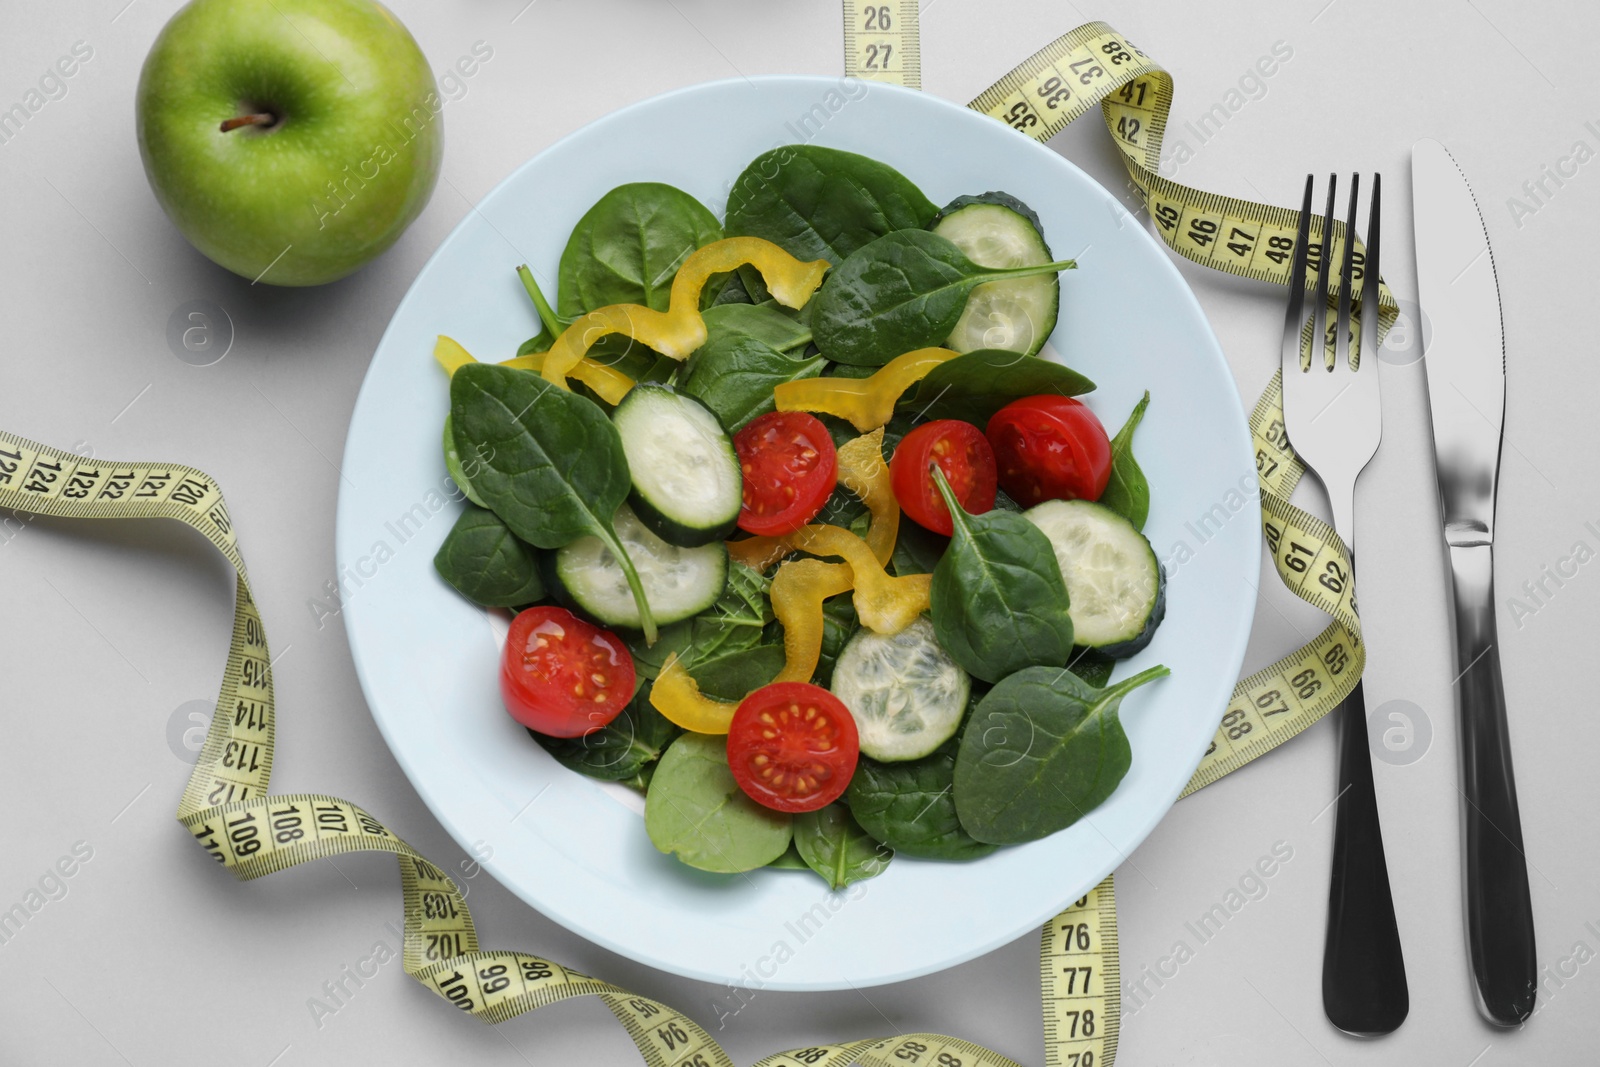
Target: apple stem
{"points": [[264, 118]]}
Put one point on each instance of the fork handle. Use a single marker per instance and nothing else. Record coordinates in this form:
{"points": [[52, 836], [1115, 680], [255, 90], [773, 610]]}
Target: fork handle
{"points": [[1363, 969], [1498, 908]]}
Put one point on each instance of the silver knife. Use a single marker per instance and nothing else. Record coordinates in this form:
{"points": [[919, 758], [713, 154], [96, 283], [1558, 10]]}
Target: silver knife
{"points": [[1466, 370]]}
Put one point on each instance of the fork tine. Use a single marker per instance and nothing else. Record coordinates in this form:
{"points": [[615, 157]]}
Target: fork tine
{"points": [[1347, 266], [1369, 278], [1319, 310], [1294, 318]]}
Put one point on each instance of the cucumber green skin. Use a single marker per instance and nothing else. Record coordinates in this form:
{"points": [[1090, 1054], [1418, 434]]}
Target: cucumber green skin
{"points": [[550, 572], [670, 530], [1137, 643], [674, 532], [995, 198]]}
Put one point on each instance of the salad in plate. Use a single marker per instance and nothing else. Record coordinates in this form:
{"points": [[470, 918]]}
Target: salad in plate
{"points": [[802, 536]]}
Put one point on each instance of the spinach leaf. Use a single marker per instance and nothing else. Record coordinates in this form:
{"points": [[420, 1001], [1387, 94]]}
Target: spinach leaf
{"points": [[999, 603], [735, 675], [836, 847], [539, 342], [821, 203], [550, 324], [696, 810], [1003, 501], [909, 806], [734, 622], [1092, 665], [839, 624], [732, 292], [843, 508], [779, 328], [734, 374], [1043, 749], [972, 387], [1128, 492], [487, 563], [790, 860], [456, 469], [627, 248], [620, 750], [903, 291], [917, 549], [552, 465]]}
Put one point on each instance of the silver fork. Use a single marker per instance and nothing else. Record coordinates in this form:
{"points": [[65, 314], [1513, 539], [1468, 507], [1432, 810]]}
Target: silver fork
{"points": [[1332, 415]]}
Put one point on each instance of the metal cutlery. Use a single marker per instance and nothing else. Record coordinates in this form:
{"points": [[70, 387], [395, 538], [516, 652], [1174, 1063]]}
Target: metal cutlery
{"points": [[1465, 365], [1334, 422]]}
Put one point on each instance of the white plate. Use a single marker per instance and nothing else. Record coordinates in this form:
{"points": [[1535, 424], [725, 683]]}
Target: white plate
{"points": [[427, 659]]}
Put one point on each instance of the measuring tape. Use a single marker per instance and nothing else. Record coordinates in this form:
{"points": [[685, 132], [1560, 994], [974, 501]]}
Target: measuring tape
{"points": [[226, 804]]}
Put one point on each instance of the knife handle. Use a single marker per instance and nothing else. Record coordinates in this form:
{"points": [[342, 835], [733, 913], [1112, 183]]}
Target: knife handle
{"points": [[1364, 988], [1499, 909]]}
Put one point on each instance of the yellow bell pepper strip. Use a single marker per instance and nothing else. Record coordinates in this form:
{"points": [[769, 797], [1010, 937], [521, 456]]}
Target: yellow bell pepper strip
{"points": [[798, 590], [759, 552], [679, 330], [608, 383], [451, 355], [677, 695], [885, 604], [864, 473], [867, 402]]}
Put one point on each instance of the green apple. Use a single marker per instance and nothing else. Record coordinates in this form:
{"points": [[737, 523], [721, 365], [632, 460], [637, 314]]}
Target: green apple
{"points": [[291, 141]]}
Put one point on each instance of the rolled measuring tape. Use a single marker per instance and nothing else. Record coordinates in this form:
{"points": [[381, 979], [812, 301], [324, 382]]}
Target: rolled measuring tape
{"points": [[226, 805]]}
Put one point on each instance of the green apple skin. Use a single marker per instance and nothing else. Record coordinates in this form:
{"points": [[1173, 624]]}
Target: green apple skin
{"points": [[349, 163]]}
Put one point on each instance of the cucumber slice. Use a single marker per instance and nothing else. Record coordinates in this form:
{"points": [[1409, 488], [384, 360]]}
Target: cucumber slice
{"points": [[998, 230], [678, 582], [686, 483], [905, 692], [1116, 586]]}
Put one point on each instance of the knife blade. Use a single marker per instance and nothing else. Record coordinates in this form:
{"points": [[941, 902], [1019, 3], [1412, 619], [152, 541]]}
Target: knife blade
{"points": [[1464, 360]]}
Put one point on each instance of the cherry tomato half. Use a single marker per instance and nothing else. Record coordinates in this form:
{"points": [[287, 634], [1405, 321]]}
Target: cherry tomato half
{"points": [[1050, 448], [562, 676], [968, 464], [790, 469], [793, 746]]}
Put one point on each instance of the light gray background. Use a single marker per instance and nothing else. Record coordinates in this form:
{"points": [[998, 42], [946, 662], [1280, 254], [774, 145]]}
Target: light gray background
{"points": [[156, 957]]}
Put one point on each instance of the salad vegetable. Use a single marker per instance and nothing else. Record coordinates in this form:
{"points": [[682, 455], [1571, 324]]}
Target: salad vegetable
{"points": [[792, 746], [998, 230], [821, 203], [833, 844], [562, 676], [629, 246], [553, 467], [696, 810], [905, 691], [487, 563], [1049, 448], [903, 291], [789, 467], [703, 455], [1127, 491], [751, 351], [1044, 749], [910, 806], [963, 458], [686, 482], [999, 603], [868, 403]]}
